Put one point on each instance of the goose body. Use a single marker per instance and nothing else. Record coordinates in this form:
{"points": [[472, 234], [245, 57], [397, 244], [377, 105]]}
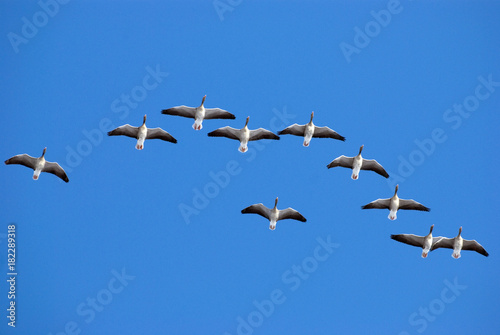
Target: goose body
{"points": [[309, 130], [358, 163], [458, 244], [244, 135], [199, 113], [39, 165], [274, 214], [424, 242], [394, 204], [142, 133]]}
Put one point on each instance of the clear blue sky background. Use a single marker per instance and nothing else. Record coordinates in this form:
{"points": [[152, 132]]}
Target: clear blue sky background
{"points": [[121, 208]]}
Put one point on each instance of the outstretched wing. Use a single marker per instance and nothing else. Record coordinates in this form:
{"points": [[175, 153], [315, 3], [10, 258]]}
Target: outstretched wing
{"points": [[342, 161], [294, 129], [412, 204], [23, 159], [183, 111], [126, 130], [290, 213], [56, 169], [475, 246], [373, 165], [257, 209], [410, 239], [158, 133], [226, 131], [217, 113], [379, 203], [325, 132], [444, 242], [261, 133]]}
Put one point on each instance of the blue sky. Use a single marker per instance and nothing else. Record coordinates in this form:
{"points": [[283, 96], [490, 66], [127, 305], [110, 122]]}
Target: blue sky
{"points": [[112, 251]]}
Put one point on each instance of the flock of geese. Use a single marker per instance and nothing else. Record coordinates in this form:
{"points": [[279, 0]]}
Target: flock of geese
{"points": [[244, 135]]}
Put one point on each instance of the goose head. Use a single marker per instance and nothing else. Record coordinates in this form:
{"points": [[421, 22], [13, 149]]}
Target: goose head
{"points": [[396, 191], [459, 231], [276, 202], [312, 116], [44, 150], [144, 120], [432, 227], [361, 149], [203, 100], [246, 123]]}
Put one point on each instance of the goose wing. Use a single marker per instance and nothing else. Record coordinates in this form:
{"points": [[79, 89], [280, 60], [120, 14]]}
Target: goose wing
{"points": [[444, 242], [126, 130], [261, 133], [379, 203], [227, 131], [412, 204], [56, 169], [373, 165], [475, 246], [23, 159], [342, 161], [415, 240], [158, 133], [257, 209], [325, 132], [183, 111], [294, 129], [217, 113], [290, 213]]}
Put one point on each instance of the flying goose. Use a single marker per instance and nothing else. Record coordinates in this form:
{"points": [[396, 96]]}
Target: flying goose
{"points": [[142, 133], [244, 135], [199, 113], [358, 163], [39, 165], [424, 242], [309, 130], [274, 214], [458, 243], [395, 203]]}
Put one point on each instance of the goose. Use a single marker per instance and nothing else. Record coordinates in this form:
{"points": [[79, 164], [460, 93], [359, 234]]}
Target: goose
{"points": [[142, 133], [274, 214], [39, 165], [358, 163], [395, 203], [425, 242], [199, 113], [458, 243], [309, 130], [244, 135]]}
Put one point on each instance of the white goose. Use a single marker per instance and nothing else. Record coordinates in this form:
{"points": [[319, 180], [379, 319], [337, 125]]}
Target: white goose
{"points": [[358, 163], [395, 203], [39, 165], [142, 133], [424, 242], [309, 130], [274, 214], [199, 113], [458, 243], [244, 135]]}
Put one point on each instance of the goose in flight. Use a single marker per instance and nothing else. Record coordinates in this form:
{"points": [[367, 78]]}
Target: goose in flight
{"points": [[395, 203], [309, 130], [199, 113], [274, 214], [244, 135], [358, 163], [424, 242], [39, 165], [458, 243], [142, 133]]}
